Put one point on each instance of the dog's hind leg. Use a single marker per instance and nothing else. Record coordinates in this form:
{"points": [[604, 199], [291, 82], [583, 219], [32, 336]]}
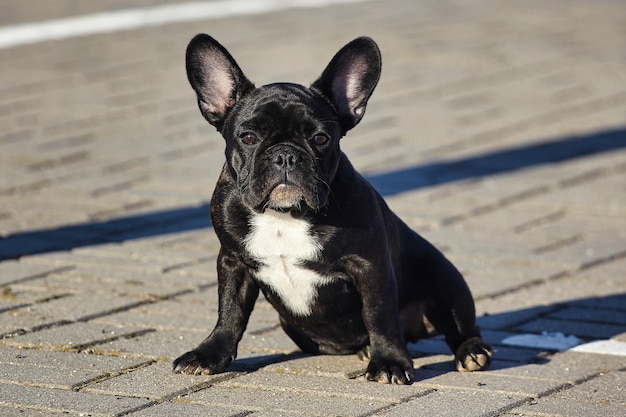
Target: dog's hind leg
{"points": [[451, 311]]}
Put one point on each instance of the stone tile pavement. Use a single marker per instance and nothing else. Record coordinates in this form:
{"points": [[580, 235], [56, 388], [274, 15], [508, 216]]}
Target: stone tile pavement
{"points": [[498, 131]]}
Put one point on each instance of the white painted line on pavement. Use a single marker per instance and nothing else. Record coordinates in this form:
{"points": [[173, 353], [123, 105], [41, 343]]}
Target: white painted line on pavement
{"points": [[560, 342], [126, 19], [604, 347]]}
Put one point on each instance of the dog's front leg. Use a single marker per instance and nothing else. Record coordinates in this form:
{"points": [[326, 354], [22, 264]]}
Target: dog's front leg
{"points": [[237, 296], [389, 359]]}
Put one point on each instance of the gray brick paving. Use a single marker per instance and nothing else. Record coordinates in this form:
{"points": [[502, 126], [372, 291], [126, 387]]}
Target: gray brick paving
{"points": [[497, 131]]}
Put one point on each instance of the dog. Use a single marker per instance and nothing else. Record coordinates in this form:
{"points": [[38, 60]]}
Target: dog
{"points": [[296, 222]]}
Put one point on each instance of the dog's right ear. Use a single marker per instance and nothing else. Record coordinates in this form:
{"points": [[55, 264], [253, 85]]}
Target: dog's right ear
{"points": [[215, 77]]}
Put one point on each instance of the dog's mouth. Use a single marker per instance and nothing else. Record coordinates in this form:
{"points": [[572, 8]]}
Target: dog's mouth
{"points": [[286, 197]]}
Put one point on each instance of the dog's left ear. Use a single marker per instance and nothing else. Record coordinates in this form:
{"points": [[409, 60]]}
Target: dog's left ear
{"points": [[350, 78]]}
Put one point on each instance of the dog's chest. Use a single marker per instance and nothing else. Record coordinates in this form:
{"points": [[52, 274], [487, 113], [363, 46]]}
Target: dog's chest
{"points": [[282, 244]]}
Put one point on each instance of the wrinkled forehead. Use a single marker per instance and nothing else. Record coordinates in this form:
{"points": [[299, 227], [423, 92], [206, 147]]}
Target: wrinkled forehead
{"points": [[286, 93], [285, 105]]}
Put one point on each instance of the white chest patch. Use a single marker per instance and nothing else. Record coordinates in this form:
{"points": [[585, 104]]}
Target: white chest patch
{"points": [[281, 244]]}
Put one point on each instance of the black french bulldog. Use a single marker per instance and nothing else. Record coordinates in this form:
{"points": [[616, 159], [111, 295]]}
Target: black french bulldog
{"points": [[296, 221]]}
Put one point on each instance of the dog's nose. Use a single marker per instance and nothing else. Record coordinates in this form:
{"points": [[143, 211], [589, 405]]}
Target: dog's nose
{"points": [[286, 158]]}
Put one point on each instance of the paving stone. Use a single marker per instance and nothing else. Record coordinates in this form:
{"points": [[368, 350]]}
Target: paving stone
{"points": [[584, 285], [153, 344], [19, 272], [451, 402], [119, 255], [170, 344], [286, 400], [140, 287], [491, 382], [162, 315], [20, 296], [17, 321], [343, 366], [74, 360], [177, 406], [269, 378], [560, 407], [80, 306], [606, 388], [58, 400], [152, 382], [20, 411], [143, 266], [33, 368], [43, 376], [72, 336], [566, 367]]}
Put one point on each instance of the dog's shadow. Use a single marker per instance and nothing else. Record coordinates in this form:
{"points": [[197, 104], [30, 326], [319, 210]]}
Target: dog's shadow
{"points": [[546, 330]]}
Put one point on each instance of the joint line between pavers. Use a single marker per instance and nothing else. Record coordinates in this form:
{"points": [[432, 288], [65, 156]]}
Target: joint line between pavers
{"points": [[533, 122], [558, 276], [540, 221], [109, 375], [400, 402], [127, 307], [59, 323], [601, 261], [37, 276], [195, 388], [39, 301], [503, 410], [21, 332], [84, 346]]}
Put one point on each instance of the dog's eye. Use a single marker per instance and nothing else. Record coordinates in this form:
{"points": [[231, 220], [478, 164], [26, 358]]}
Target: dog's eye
{"points": [[319, 139], [249, 138]]}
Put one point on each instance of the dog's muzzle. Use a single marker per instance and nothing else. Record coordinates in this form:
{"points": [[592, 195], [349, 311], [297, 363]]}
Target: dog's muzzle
{"points": [[289, 188]]}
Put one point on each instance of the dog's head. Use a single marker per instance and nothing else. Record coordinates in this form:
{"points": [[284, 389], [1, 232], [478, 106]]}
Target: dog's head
{"points": [[282, 140]]}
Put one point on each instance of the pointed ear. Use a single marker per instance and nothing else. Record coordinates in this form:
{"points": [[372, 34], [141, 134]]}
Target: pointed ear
{"points": [[350, 78], [216, 78]]}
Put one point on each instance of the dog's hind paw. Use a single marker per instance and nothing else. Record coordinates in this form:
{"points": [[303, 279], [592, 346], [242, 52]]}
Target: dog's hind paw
{"points": [[365, 353], [473, 355]]}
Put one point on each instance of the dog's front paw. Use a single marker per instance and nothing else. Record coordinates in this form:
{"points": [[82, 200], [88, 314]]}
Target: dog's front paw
{"points": [[390, 371], [196, 362], [473, 355]]}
